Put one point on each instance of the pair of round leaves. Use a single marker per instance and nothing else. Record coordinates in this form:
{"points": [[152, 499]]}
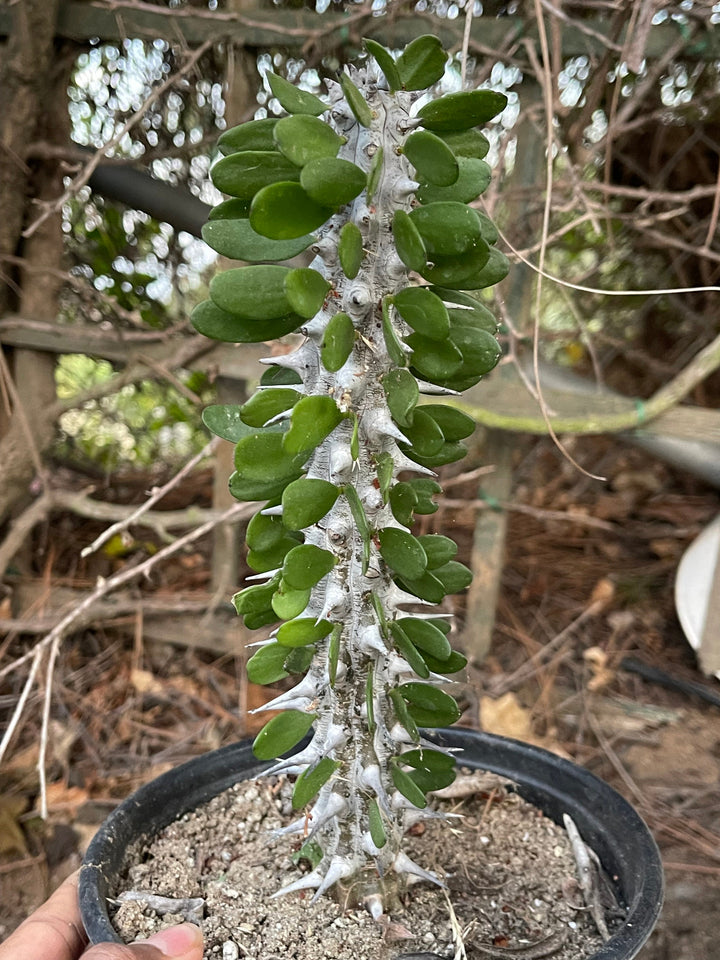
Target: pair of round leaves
{"points": [[459, 361], [434, 435], [286, 210], [269, 292], [420, 65]]}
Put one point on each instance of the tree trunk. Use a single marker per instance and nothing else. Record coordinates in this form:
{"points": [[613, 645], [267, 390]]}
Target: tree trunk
{"points": [[34, 76]]}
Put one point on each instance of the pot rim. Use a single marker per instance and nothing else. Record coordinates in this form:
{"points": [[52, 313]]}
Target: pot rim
{"points": [[606, 821]]}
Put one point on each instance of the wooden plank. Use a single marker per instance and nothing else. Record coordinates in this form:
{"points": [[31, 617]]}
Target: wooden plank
{"points": [[488, 550], [221, 632], [236, 361], [291, 29]]}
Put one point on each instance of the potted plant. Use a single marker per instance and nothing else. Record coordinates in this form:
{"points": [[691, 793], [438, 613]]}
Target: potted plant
{"points": [[340, 451]]}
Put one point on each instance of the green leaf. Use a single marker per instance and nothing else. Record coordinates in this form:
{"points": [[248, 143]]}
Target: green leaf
{"points": [[402, 552], [298, 659], [428, 706], [402, 642], [403, 714], [402, 394], [425, 436], [423, 311], [267, 665], [303, 138], [385, 61], [356, 101], [284, 211], [439, 551], [255, 599], [448, 453], [480, 351], [369, 702], [306, 290], [490, 232], [361, 522], [262, 456], [252, 488], [282, 733], [373, 179], [223, 419], [264, 532], [408, 242], [427, 587], [294, 100], [432, 158], [237, 240], [432, 359], [475, 313], [403, 500], [407, 787], [338, 341], [458, 271], [310, 851], [334, 652], [425, 489], [392, 342], [306, 501], [311, 780], [275, 376], [460, 111], [253, 135], [355, 436], [447, 227], [289, 603], [211, 321], [256, 293], [350, 249], [473, 179], [266, 404], [454, 576], [234, 209], [454, 424], [332, 182], [306, 565], [313, 418], [422, 63], [495, 269], [454, 663], [466, 143], [270, 558], [243, 174], [385, 469], [427, 637], [432, 770], [299, 633], [377, 829]]}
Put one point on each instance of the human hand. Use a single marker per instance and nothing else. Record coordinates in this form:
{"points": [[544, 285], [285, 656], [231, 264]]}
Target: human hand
{"points": [[55, 932]]}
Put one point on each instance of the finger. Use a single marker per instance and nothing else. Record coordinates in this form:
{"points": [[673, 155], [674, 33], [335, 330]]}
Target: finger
{"points": [[183, 942], [54, 931]]}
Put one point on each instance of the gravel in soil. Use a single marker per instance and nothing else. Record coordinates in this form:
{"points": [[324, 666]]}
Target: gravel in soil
{"points": [[511, 884]]}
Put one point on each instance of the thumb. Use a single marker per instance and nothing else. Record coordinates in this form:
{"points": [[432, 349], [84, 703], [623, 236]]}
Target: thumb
{"points": [[183, 942]]}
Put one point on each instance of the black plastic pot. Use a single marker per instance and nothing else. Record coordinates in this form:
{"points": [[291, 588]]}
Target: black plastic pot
{"points": [[605, 820]]}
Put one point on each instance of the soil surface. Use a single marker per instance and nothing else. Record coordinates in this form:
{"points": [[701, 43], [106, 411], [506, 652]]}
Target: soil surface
{"points": [[511, 878]]}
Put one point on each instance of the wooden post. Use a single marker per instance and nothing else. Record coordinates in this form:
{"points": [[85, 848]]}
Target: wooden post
{"points": [[491, 526]]}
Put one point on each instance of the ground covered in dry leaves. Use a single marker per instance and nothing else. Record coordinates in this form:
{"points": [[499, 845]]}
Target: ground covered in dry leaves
{"points": [[587, 594]]}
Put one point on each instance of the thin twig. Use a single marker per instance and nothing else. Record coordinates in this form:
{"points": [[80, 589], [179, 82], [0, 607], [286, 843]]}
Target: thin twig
{"points": [[157, 494]]}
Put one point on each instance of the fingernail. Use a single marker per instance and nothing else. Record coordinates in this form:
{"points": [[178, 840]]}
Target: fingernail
{"points": [[177, 941]]}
